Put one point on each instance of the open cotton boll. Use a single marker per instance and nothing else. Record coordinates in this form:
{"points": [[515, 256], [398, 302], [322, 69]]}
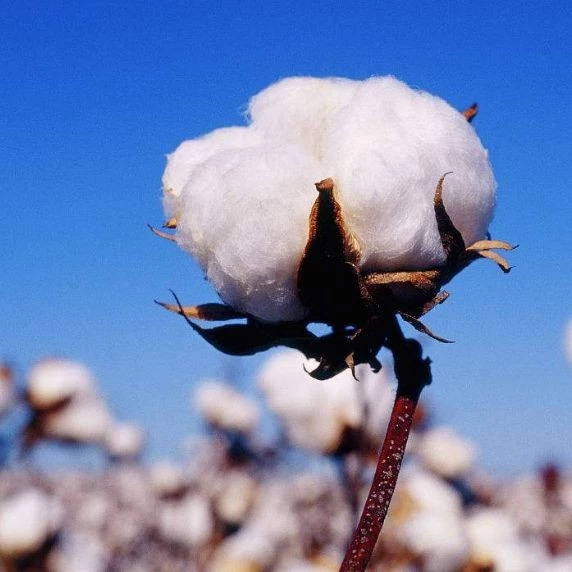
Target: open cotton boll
{"points": [[188, 521], [52, 381], [242, 196], [244, 216], [298, 109], [316, 415], [386, 151], [225, 408], [27, 521], [192, 153], [445, 453], [83, 421], [438, 538], [124, 440]]}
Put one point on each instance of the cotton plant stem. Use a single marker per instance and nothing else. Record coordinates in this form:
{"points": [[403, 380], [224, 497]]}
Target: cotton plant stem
{"points": [[413, 373]]}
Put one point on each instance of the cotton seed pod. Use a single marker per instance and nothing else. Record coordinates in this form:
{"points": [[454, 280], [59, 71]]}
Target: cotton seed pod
{"points": [[317, 415], [445, 453], [27, 521], [124, 441], [53, 381], [242, 197], [225, 408]]}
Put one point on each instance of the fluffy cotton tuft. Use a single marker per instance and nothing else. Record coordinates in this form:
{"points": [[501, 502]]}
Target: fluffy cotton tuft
{"points": [[445, 453], [225, 408], [27, 520], [316, 415], [124, 440], [242, 195], [52, 381]]}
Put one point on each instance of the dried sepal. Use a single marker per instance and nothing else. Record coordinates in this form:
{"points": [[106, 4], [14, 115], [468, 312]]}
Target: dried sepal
{"points": [[471, 112], [171, 223], [328, 277], [451, 238], [501, 262], [162, 234], [210, 312]]}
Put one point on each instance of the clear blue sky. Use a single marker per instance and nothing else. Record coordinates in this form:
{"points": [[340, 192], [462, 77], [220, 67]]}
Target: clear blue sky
{"points": [[92, 96]]}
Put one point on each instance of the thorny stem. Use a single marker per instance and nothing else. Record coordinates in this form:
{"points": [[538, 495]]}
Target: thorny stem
{"points": [[413, 373]]}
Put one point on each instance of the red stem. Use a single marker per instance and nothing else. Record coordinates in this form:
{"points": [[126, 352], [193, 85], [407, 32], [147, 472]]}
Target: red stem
{"points": [[384, 481], [413, 373]]}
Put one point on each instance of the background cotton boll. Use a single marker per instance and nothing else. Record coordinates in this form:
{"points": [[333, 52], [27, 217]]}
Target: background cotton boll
{"points": [[192, 153], [315, 414], [52, 381], [225, 408], [27, 520], [188, 521], [430, 493], [445, 453], [439, 539], [494, 535], [124, 440], [244, 216], [297, 109], [83, 421], [167, 479], [387, 151]]}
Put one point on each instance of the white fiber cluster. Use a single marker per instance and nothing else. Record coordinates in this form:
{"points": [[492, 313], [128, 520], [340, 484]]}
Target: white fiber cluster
{"points": [[52, 381], [316, 415], [27, 520], [242, 195], [224, 407], [445, 453]]}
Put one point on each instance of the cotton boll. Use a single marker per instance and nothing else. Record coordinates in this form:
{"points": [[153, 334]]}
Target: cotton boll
{"points": [[167, 479], [52, 381], [82, 421], [79, 552], [430, 493], [438, 538], [493, 534], [242, 196], [386, 151], [314, 413], [27, 521], [233, 502], [225, 408], [190, 154], [188, 521], [124, 441], [445, 453], [244, 216], [298, 109]]}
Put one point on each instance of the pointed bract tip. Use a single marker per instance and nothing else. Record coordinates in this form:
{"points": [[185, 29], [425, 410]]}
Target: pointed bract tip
{"points": [[325, 185]]}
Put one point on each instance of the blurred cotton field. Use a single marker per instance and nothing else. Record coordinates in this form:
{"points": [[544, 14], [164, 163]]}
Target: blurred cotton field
{"points": [[247, 500]]}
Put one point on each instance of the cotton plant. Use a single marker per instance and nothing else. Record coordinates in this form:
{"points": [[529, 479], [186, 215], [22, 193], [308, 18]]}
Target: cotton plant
{"points": [[405, 196], [65, 406]]}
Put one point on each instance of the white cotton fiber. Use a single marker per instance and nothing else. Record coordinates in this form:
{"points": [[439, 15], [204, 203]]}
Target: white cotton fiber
{"points": [[316, 415], [242, 196]]}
